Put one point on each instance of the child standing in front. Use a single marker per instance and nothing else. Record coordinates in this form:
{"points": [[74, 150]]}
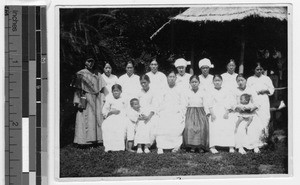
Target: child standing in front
{"points": [[142, 134], [114, 124], [246, 113]]}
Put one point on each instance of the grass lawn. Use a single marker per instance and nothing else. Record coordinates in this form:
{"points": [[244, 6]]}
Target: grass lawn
{"points": [[94, 162]]}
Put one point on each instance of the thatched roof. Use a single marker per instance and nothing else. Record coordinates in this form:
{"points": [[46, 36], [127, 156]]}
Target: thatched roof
{"points": [[222, 14]]}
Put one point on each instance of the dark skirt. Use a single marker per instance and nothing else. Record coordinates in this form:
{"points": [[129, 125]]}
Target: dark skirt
{"points": [[196, 131]]}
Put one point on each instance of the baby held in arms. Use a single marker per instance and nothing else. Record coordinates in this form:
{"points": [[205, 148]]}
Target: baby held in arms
{"points": [[246, 111]]}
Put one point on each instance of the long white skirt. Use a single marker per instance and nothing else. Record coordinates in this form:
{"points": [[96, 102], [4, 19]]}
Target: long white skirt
{"points": [[251, 139], [168, 130], [114, 132], [221, 131], [264, 111], [144, 132]]}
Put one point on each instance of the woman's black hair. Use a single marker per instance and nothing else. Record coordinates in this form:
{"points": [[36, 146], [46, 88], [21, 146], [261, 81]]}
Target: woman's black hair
{"points": [[231, 60], [105, 63], [217, 75], [145, 77], [172, 69], [116, 86], [130, 62], [257, 64], [194, 76], [154, 59], [90, 60], [240, 75]]}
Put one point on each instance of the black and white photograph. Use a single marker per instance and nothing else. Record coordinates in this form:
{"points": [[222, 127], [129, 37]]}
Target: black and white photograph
{"points": [[174, 91]]}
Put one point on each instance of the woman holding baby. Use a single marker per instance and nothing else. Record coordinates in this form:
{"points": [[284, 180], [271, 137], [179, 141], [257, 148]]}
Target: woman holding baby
{"points": [[248, 133]]}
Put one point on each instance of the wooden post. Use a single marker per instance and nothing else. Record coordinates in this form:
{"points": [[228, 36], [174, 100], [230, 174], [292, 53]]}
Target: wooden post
{"points": [[192, 58], [242, 56]]}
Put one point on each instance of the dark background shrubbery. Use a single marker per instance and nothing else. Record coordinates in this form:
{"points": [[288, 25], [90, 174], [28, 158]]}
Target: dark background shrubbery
{"points": [[108, 35]]}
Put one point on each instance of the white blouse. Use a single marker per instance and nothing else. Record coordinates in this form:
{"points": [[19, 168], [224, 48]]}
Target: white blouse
{"points": [[222, 98], [261, 83], [206, 83], [158, 81], [173, 101], [198, 99], [113, 104], [110, 81], [229, 80], [147, 100], [183, 82], [130, 85]]}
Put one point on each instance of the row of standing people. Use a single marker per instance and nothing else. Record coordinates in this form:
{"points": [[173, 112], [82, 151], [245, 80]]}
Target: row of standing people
{"points": [[183, 111]]}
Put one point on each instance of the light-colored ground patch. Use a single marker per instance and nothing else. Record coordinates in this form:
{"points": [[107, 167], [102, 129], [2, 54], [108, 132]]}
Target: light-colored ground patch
{"points": [[216, 157], [191, 164], [125, 171], [266, 169]]}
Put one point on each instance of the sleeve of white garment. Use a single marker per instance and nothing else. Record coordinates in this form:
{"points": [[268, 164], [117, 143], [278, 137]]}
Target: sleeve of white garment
{"points": [[106, 107], [133, 116], [232, 102], [250, 82], [229, 100], [183, 102], [270, 86], [207, 101], [116, 79], [153, 104], [120, 81], [254, 99], [164, 81]]}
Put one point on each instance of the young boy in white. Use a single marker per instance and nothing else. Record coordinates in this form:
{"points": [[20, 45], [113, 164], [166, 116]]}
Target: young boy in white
{"points": [[142, 128]]}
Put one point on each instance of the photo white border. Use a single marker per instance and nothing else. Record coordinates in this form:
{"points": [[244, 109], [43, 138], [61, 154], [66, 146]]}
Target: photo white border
{"points": [[53, 96]]}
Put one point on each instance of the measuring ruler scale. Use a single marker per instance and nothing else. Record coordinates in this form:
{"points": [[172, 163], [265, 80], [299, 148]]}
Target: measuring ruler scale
{"points": [[25, 95]]}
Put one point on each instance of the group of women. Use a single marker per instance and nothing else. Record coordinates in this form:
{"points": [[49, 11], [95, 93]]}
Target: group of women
{"points": [[196, 113]]}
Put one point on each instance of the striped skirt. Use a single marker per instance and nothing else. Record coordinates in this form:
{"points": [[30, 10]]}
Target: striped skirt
{"points": [[196, 131]]}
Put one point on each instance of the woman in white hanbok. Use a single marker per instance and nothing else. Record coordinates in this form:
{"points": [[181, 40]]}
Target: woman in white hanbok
{"points": [[130, 83], [229, 78], [144, 129], [109, 78], [222, 122], [170, 123], [264, 88], [158, 80], [206, 79], [196, 131], [252, 138], [182, 78], [114, 124]]}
